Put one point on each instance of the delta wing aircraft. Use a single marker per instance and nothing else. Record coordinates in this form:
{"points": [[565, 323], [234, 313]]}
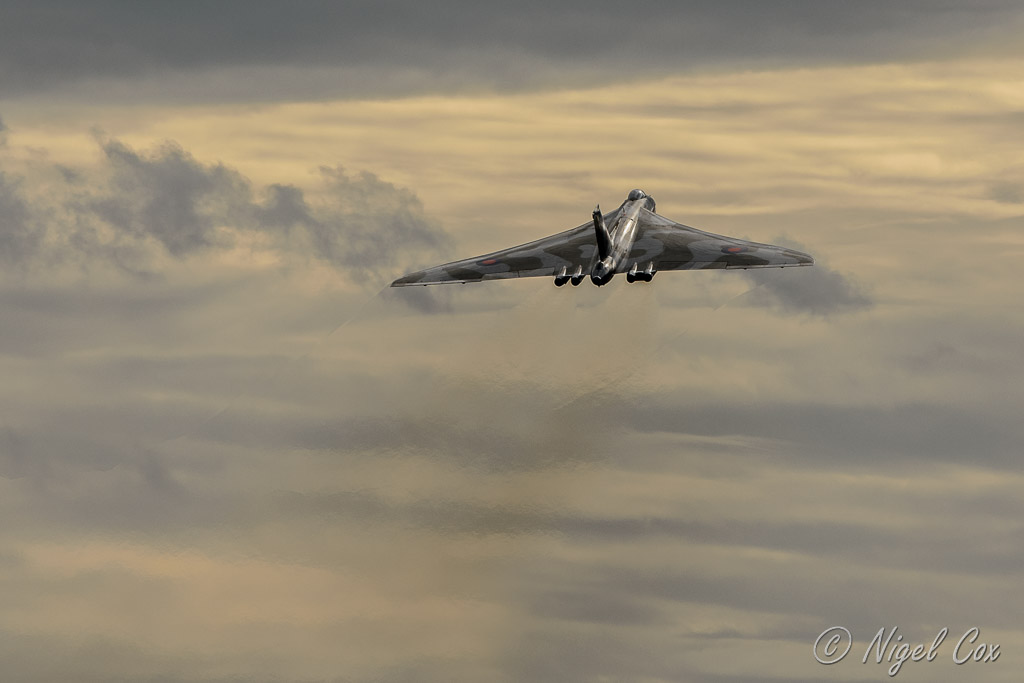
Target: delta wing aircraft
{"points": [[639, 243]]}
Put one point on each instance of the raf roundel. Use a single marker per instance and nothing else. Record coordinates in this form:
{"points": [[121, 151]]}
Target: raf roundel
{"points": [[488, 262], [734, 249]]}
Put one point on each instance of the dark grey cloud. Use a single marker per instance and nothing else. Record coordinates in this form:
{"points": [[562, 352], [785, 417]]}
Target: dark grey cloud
{"points": [[140, 205], [381, 221], [19, 235], [1007, 193], [841, 541], [829, 436], [170, 196], [941, 356], [568, 436], [407, 46], [423, 299], [818, 290]]}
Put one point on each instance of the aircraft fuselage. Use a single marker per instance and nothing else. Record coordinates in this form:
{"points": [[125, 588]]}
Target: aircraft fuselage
{"points": [[620, 236]]}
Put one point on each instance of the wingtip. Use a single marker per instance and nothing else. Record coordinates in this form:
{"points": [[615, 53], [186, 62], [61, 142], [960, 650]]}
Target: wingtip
{"points": [[410, 279], [801, 258]]}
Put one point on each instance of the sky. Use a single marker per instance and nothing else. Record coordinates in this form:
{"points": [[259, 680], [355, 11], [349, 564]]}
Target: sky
{"points": [[229, 452]]}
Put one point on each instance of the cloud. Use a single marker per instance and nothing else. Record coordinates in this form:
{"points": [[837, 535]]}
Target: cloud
{"points": [[255, 51], [169, 196], [528, 483], [380, 222], [1007, 193], [423, 299], [817, 290], [139, 207], [827, 434], [19, 236]]}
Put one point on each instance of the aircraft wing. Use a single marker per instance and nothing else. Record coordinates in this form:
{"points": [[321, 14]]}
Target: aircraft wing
{"points": [[673, 246], [545, 257]]}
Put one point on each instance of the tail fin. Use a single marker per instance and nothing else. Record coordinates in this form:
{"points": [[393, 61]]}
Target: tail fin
{"points": [[604, 240]]}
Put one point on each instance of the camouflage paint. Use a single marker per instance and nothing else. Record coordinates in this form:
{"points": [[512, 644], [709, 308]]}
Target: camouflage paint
{"points": [[656, 240]]}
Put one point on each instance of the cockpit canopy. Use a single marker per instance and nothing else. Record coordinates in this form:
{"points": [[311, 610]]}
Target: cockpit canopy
{"points": [[636, 194]]}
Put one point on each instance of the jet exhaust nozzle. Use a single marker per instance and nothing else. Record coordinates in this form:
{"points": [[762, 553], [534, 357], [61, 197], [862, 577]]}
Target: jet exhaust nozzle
{"points": [[602, 273], [637, 275], [577, 277]]}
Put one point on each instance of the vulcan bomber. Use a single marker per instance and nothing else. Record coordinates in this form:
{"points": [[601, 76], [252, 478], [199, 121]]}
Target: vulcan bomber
{"points": [[632, 240]]}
